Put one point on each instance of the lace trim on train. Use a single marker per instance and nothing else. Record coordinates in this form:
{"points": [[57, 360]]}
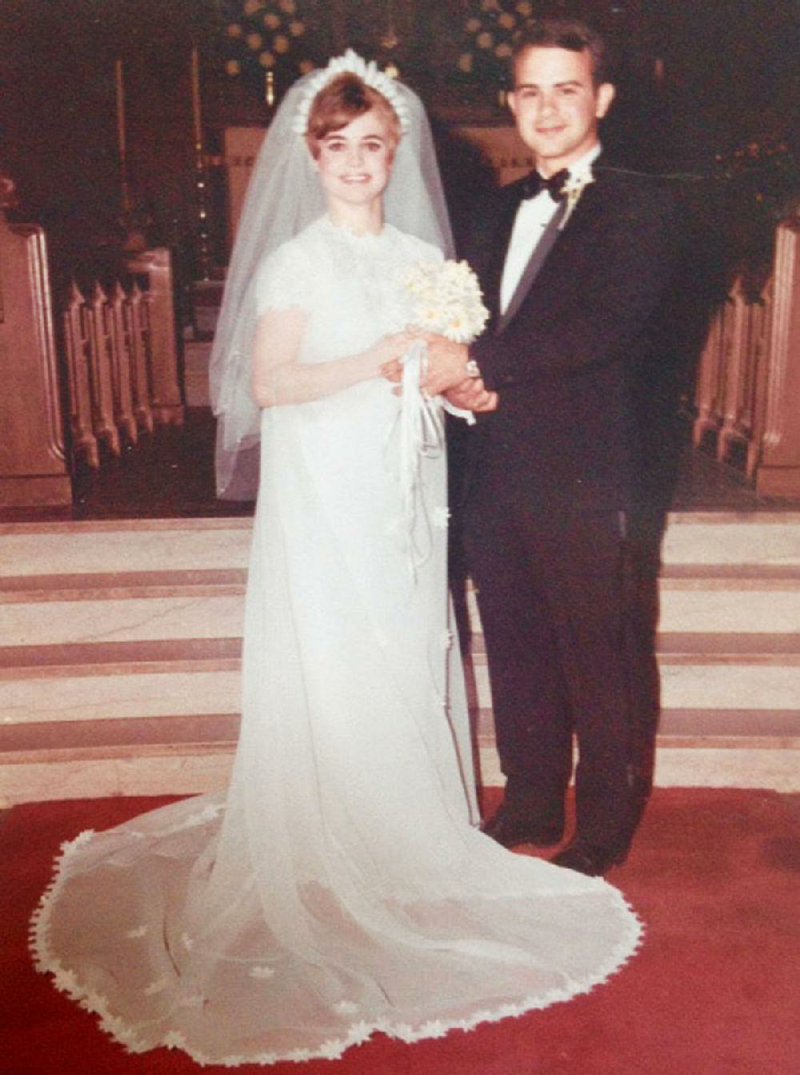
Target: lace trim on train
{"points": [[330, 1048]]}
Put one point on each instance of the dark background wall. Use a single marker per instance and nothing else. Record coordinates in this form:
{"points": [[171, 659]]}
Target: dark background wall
{"points": [[730, 76]]}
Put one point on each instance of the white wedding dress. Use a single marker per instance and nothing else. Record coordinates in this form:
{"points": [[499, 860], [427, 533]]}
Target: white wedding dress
{"points": [[341, 887]]}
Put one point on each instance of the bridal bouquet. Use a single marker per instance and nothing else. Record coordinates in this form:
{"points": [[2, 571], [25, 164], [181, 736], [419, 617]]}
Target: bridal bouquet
{"points": [[445, 298]]}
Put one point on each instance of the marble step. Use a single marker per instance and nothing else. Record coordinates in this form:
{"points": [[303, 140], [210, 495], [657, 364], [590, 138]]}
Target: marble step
{"points": [[59, 610], [197, 757], [166, 769], [144, 545], [157, 725], [696, 600], [109, 737], [728, 538], [199, 675], [50, 708], [119, 655], [191, 768], [122, 546]]}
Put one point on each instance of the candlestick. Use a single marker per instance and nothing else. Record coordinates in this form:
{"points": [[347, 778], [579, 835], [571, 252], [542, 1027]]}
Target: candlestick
{"points": [[269, 92], [202, 235], [196, 116], [122, 145], [120, 87]]}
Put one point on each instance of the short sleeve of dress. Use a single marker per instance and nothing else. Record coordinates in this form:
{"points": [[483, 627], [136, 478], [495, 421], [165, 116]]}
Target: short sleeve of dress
{"points": [[284, 280]]}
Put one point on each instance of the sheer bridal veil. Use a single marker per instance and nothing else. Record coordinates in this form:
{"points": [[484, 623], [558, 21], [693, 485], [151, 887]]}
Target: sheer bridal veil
{"points": [[283, 197]]}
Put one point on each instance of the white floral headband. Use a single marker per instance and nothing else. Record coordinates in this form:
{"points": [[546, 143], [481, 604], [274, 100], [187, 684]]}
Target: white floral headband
{"points": [[350, 63]]}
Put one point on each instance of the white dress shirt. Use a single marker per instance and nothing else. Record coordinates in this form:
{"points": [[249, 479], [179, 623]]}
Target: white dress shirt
{"points": [[533, 216]]}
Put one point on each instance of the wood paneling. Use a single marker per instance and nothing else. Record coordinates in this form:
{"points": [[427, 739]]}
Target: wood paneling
{"points": [[778, 471], [32, 467]]}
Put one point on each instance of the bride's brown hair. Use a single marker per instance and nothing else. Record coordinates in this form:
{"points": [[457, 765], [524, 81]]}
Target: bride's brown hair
{"points": [[344, 99]]}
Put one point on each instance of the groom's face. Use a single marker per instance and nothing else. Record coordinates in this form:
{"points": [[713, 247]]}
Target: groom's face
{"points": [[557, 105]]}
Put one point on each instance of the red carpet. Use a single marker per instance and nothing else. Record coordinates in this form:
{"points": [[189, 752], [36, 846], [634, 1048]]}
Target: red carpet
{"points": [[714, 991]]}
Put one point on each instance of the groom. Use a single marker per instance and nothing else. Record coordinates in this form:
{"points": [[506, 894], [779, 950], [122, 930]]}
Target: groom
{"points": [[574, 262]]}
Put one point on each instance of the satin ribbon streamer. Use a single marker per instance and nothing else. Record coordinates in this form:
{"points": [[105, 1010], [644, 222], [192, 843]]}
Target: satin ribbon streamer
{"points": [[421, 434]]}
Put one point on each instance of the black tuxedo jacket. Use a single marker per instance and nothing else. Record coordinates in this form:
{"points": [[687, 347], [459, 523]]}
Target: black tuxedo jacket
{"points": [[576, 363]]}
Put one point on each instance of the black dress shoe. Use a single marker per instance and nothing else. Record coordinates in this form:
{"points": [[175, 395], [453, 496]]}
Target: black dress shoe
{"points": [[510, 830], [592, 861]]}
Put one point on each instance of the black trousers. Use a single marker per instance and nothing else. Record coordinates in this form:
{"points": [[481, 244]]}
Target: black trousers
{"points": [[568, 604]]}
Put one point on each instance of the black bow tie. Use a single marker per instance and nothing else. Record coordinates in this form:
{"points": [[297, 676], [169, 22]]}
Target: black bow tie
{"points": [[534, 184]]}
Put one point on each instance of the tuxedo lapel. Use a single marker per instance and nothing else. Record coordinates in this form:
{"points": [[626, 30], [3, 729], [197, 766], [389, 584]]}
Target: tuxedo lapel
{"points": [[495, 263], [559, 235], [535, 262]]}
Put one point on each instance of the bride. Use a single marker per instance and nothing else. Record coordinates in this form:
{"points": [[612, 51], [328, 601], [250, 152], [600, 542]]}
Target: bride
{"points": [[341, 886]]}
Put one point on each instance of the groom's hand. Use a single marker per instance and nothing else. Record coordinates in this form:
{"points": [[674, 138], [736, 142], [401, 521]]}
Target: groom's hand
{"points": [[472, 395], [447, 364]]}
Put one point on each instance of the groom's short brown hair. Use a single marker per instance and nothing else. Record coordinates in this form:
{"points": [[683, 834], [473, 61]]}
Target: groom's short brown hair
{"points": [[563, 33]]}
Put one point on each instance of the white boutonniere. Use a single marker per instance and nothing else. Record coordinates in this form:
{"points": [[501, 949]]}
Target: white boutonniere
{"points": [[573, 190]]}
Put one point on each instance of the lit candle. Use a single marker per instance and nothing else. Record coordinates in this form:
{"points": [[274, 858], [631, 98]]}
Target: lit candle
{"points": [[120, 85], [198, 128], [270, 89]]}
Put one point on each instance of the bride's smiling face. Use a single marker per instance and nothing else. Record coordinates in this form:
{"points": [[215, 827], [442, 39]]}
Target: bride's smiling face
{"points": [[355, 162]]}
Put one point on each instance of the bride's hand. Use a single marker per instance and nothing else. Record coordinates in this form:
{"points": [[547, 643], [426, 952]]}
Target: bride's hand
{"points": [[447, 364], [387, 352], [393, 371]]}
